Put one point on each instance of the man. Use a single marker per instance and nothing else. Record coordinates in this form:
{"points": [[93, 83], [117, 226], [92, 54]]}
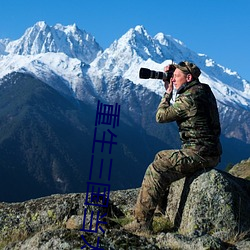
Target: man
{"points": [[195, 111]]}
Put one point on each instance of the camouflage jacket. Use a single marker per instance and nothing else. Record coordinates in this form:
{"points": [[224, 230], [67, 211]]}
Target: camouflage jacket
{"points": [[196, 113]]}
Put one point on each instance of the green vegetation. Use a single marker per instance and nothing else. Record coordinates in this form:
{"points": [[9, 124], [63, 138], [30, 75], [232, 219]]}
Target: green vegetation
{"points": [[160, 223]]}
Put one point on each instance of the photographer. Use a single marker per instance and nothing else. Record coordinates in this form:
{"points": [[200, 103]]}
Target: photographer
{"points": [[195, 111]]}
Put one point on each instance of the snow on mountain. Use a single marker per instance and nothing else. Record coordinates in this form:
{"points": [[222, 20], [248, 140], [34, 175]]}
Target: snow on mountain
{"points": [[41, 38], [137, 49], [130, 51], [46, 67], [3, 43], [74, 56], [52, 54]]}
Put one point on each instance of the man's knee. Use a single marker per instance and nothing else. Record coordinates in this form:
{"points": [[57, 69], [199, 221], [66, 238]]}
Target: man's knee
{"points": [[162, 161], [164, 154]]}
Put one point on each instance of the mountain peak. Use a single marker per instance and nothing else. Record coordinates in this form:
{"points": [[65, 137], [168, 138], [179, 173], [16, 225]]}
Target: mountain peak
{"points": [[42, 38], [138, 32], [141, 29], [41, 24], [167, 39], [69, 28], [132, 48]]}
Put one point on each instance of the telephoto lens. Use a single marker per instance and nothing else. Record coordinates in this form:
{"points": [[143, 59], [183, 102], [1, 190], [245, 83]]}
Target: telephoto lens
{"points": [[144, 73], [147, 73]]}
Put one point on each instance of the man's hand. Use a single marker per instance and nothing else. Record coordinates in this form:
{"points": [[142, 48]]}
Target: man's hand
{"points": [[168, 85]]}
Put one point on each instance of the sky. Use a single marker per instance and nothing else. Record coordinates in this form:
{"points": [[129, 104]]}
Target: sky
{"points": [[217, 28]]}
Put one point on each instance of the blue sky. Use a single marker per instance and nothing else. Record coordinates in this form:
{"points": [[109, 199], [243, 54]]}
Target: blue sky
{"points": [[218, 28]]}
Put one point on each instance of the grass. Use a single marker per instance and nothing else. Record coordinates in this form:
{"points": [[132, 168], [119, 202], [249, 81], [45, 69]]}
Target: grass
{"points": [[160, 223], [238, 237]]}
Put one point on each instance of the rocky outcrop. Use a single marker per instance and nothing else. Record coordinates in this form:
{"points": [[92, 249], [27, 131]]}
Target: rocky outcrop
{"points": [[210, 202], [209, 210], [241, 169]]}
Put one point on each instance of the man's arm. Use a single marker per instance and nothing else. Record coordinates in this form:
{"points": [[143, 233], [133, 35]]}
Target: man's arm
{"points": [[165, 112], [182, 108]]}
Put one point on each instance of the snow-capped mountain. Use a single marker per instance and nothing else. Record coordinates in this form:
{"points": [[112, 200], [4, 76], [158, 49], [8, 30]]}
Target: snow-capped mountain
{"points": [[67, 51], [71, 61], [70, 40], [137, 49], [64, 73], [51, 53], [45, 132]]}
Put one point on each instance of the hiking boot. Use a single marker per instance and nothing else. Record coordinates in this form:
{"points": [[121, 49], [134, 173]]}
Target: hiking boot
{"points": [[141, 227]]}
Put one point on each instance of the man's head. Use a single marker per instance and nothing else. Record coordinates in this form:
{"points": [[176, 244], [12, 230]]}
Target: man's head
{"points": [[185, 72]]}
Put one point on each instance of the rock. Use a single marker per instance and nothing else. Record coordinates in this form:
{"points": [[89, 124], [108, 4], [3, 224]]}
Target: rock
{"points": [[211, 202], [178, 241], [209, 211], [241, 169], [74, 222], [243, 245], [35, 220], [48, 240]]}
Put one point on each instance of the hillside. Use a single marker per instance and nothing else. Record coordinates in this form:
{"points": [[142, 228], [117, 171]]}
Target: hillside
{"points": [[46, 141], [41, 133]]}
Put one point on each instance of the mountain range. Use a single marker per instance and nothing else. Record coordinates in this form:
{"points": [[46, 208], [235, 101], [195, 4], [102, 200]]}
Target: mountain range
{"points": [[50, 82]]}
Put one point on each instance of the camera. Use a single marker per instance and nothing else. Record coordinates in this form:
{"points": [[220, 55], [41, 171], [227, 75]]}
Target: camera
{"points": [[145, 73]]}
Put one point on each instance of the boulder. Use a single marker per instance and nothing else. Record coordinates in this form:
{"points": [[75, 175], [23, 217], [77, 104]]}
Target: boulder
{"points": [[210, 202]]}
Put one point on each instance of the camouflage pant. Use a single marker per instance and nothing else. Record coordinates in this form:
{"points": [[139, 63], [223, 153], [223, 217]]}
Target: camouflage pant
{"points": [[167, 167]]}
